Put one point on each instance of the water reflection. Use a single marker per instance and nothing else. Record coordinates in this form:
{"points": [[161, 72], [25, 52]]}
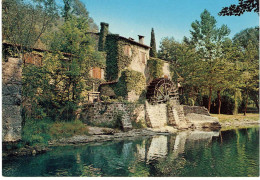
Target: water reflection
{"points": [[188, 153]]}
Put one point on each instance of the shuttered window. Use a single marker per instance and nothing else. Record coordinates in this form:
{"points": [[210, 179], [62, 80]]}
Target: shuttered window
{"points": [[97, 72]]}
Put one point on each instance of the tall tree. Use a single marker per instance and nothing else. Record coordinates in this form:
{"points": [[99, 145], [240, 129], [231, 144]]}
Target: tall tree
{"points": [[153, 52], [78, 9], [24, 22], [248, 42], [208, 40], [243, 6], [168, 48], [66, 10]]}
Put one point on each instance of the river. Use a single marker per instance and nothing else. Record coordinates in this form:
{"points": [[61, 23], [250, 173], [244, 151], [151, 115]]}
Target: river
{"points": [[197, 153]]}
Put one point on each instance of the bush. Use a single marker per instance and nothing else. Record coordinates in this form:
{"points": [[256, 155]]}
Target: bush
{"points": [[41, 131], [67, 129], [36, 132], [139, 124]]}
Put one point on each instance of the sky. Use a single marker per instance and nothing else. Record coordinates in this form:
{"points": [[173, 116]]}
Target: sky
{"points": [[169, 18]]}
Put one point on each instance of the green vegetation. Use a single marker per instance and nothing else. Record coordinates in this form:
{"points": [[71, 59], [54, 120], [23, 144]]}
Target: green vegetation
{"points": [[130, 80], [215, 71], [153, 52], [240, 8], [41, 131], [25, 22], [155, 66], [52, 93], [139, 124], [116, 59]]}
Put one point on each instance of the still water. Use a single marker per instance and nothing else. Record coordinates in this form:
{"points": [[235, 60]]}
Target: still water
{"points": [[197, 153]]}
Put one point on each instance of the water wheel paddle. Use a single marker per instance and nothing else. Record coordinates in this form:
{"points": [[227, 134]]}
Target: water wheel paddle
{"points": [[161, 90]]}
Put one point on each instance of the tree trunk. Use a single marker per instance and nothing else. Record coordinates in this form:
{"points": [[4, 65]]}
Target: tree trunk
{"points": [[246, 103], [235, 110], [219, 101], [210, 94]]}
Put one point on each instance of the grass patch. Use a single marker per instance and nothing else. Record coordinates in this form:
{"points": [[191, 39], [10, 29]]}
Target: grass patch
{"points": [[41, 131], [236, 118], [67, 129]]}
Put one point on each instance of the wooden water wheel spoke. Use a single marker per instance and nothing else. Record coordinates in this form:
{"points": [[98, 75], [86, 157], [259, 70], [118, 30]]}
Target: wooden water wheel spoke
{"points": [[161, 90]]}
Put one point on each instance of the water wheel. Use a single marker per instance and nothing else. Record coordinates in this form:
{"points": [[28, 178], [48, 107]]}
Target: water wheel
{"points": [[161, 90]]}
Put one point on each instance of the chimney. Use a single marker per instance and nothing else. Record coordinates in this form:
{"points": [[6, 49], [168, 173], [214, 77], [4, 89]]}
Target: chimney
{"points": [[102, 36], [141, 39]]}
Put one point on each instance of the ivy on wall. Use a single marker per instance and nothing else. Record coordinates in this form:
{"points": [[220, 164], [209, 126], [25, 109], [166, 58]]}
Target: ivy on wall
{"points": [[155, 66], [112, 57], [130, 80], [102, 36], [116, 59]]}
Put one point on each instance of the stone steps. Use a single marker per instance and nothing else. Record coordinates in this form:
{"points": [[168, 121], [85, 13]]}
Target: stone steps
{"points": [[156, 115]]}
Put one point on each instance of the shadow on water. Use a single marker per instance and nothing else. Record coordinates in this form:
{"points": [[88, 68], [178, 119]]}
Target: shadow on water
{"points": [[188, 153]]}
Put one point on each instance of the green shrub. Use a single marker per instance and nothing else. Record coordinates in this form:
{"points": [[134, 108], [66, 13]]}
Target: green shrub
{"points": [[139, 125], [41, 131], [36, 132], [67, 129]]}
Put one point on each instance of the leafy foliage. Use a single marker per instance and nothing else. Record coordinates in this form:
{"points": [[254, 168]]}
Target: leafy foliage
{"points": [[56, 88], [153, 52], [116, 59], [130, 80], [41, 131], [155, 66], [24, 22], [243, 6]]}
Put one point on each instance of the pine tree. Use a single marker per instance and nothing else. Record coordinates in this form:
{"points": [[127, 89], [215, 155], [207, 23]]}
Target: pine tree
{"points": [[208, 40], [153, 45]]}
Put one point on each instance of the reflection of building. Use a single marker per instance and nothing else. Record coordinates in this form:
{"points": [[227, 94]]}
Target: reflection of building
{"points": [[158, 148], [161, 146]]}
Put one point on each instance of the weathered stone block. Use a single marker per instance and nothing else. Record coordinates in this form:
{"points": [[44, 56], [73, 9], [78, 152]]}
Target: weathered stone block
{"points": [[196, 110], [8, 89], [203, 121], [14, 99], [11, 116], [156, 115]]}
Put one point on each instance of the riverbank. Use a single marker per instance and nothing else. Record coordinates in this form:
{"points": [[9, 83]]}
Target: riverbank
{"points": [[237, 121], [95, 135], [98, 134]]}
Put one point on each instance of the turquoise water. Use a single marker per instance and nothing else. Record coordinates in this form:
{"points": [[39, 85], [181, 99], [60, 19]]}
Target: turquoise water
{"points": [[198, 153]]}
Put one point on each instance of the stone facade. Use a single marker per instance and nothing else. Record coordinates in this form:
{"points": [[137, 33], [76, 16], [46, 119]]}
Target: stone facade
{"points": [[166, 70], [196, 110], [139, 61], [156, 115], [11, 94], [108, 115]]}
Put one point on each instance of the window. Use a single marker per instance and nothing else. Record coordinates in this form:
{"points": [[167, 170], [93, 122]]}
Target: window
{"points": [[96, 73], [143, 57], [127, 50], [35, 59]]}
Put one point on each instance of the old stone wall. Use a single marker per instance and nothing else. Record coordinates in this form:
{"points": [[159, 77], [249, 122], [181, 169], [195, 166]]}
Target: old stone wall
{"points": [[166, 70], [11, 99], [196, 110], [139, 60], [111, 114], [156, 115]]}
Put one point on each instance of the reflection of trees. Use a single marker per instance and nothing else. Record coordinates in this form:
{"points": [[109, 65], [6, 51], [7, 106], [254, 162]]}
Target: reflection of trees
{"points": [[187, 155], [89, 171]]}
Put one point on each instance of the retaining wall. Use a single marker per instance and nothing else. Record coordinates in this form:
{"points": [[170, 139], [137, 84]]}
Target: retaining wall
{"points": [[11, 99]]}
